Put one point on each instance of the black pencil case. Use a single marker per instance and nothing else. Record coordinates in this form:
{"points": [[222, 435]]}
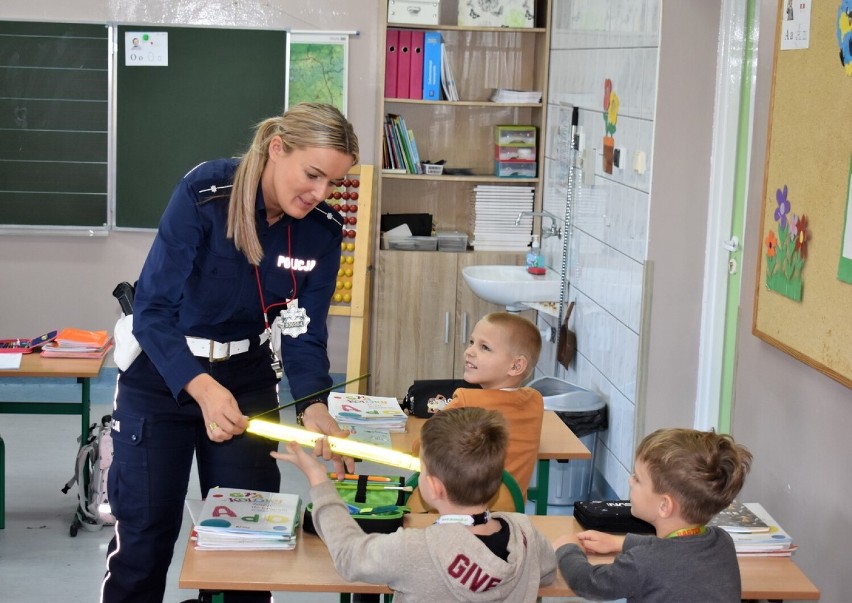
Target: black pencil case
{"points": [[610, 516]]}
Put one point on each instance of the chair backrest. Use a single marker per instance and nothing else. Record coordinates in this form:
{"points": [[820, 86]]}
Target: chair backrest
{"points": [[508, 498]]}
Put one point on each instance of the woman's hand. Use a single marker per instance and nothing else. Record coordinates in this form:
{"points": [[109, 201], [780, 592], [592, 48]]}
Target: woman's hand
{"points": [[222, 414], [317, 419]]}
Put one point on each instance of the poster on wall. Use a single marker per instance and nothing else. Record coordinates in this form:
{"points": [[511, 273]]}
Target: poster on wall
{"points": [[146, 49], [796, 25], [844, 272], [318, 69]]}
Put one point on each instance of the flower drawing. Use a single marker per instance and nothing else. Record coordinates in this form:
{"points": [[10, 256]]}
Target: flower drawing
{"points": [[611, 105], [771, 244], [783, 206], [786, 251]]}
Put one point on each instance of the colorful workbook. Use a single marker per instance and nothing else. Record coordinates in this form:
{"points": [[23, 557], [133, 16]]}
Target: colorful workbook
{"points": [[78, 343], [376, 412], [233, 518], [737, 517], [775, 540]]}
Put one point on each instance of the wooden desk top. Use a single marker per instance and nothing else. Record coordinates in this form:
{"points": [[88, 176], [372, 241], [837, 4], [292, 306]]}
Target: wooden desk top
{"points": [[557, 440], [309, 568], [35, 365]]}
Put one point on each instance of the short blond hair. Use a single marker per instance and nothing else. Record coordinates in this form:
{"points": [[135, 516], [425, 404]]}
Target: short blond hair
{"points": [[523, 336]]}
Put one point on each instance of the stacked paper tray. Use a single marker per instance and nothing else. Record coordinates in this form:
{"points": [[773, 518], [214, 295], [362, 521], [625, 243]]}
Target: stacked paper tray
{"points": [[496, 210]]}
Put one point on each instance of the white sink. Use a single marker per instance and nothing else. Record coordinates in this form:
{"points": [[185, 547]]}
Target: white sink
{"points": [[512, 286]]}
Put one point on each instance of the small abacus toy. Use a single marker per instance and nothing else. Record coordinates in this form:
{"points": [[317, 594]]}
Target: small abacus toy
{"points": [[345, 200]]}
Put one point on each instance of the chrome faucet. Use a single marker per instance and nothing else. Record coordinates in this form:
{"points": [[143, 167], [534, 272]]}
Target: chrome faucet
{"points": [[553, 231]]}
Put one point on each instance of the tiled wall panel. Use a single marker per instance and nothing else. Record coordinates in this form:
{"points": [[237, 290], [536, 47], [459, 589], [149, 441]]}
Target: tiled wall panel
{"points": [[595, 40]]}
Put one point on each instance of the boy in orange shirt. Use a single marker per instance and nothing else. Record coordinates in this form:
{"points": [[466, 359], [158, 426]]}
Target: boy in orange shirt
{"points": [[502, 353]]}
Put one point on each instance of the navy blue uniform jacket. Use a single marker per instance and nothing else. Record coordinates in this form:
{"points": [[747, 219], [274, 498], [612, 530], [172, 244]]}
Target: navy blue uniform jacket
{"points": [[195, 282]]}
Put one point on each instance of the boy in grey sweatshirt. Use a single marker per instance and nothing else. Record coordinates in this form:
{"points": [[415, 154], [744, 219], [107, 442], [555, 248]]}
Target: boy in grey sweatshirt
{"points": [[681, 479], [469, 554]]}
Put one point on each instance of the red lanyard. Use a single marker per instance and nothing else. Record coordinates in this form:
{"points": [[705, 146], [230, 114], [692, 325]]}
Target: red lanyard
{"points": [[263, 305]]}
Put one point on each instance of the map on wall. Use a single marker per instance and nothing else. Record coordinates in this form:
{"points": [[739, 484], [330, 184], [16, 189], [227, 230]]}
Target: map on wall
{"points": [[318, 69]]}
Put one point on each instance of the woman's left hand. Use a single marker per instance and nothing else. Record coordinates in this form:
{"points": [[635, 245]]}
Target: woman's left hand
{"points": [[319, 420]]}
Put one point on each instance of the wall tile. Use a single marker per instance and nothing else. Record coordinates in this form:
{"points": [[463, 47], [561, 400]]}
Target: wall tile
{"points": [[593, 40]]}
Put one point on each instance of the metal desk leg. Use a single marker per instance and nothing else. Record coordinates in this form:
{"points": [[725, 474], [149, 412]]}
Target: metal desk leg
{"points": [[542, 486], [85, 406]]}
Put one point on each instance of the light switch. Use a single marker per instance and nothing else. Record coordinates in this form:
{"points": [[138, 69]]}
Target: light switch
{"points": [[639, 162]]}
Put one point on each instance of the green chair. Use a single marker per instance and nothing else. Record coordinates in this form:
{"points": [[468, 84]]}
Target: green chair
{"points": [[2, 484], [509, 497]]}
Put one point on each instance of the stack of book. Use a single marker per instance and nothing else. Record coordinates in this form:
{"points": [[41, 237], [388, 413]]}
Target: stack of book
{"points": [[495, 217], [399, 152], [505, 95], [373, 412], [753, 530], [78, 343], [234, 519]]}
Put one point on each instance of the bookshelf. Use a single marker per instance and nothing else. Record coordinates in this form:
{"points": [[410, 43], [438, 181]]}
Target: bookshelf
{"points": [[461, 133]]}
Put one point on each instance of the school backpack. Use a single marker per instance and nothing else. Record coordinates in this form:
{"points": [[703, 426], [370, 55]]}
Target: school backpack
{"points": [[91, 471]]}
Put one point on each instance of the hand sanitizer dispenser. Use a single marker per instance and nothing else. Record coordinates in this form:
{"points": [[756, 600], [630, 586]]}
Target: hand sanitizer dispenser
{"points": [[535, 260]]}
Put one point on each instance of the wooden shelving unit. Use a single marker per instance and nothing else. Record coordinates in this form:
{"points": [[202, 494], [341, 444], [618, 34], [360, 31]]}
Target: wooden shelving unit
{"points": [[424, 312]]}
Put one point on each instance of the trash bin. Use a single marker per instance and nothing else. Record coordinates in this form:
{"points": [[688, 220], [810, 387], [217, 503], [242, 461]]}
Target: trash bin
{"points": [[585, 413]]}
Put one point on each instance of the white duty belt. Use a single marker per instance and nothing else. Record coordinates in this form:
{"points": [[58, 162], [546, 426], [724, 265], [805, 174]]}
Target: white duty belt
{"points": [[216, 351]]}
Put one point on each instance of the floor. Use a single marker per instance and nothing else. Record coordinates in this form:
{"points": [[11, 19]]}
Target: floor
{"points": [[39, 560]]}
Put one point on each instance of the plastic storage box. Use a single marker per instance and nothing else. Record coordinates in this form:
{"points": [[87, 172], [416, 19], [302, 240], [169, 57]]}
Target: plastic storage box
{"points": [[515, 169], [515, 136], [514, 153], [452, 240], [413, 243]]}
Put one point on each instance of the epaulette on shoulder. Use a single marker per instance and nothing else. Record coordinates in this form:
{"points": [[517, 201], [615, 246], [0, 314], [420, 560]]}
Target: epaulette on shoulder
{"points": [[211, 179], [325, 214]]}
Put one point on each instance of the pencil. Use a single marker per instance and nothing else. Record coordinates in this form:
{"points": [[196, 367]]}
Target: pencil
{"points": [[370, 478]]}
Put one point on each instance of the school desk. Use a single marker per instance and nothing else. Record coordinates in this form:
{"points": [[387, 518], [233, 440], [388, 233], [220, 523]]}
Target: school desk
{"points": [[308, 568], [33, 365], [558, 442]]}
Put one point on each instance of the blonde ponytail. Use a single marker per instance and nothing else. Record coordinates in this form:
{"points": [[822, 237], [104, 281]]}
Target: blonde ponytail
{"points": [[307, 125]]}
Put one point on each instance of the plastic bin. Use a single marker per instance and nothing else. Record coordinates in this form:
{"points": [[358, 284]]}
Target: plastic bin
{"points": [[585, 413]]}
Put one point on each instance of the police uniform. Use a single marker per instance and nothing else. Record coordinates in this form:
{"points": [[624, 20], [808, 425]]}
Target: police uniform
{"points": [[198, 309]]}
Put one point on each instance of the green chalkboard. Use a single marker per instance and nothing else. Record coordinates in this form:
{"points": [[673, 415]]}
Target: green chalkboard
{"points": [[54, 117], [218, 84]]}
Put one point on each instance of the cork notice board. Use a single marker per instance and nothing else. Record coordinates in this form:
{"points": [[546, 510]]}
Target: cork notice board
{"points": [[803, 290]]}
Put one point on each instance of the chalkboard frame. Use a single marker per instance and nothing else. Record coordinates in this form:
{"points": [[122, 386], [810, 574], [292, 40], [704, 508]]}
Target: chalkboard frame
{"points": [[54, 119]]}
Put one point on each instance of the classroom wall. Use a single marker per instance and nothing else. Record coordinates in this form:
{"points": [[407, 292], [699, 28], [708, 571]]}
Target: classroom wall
{"points": [[795, 419], [68, 281]]}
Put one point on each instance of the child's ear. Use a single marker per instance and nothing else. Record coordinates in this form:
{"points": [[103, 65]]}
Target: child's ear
{"points": [[439, 491], [667, 506], [519, 366]]}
